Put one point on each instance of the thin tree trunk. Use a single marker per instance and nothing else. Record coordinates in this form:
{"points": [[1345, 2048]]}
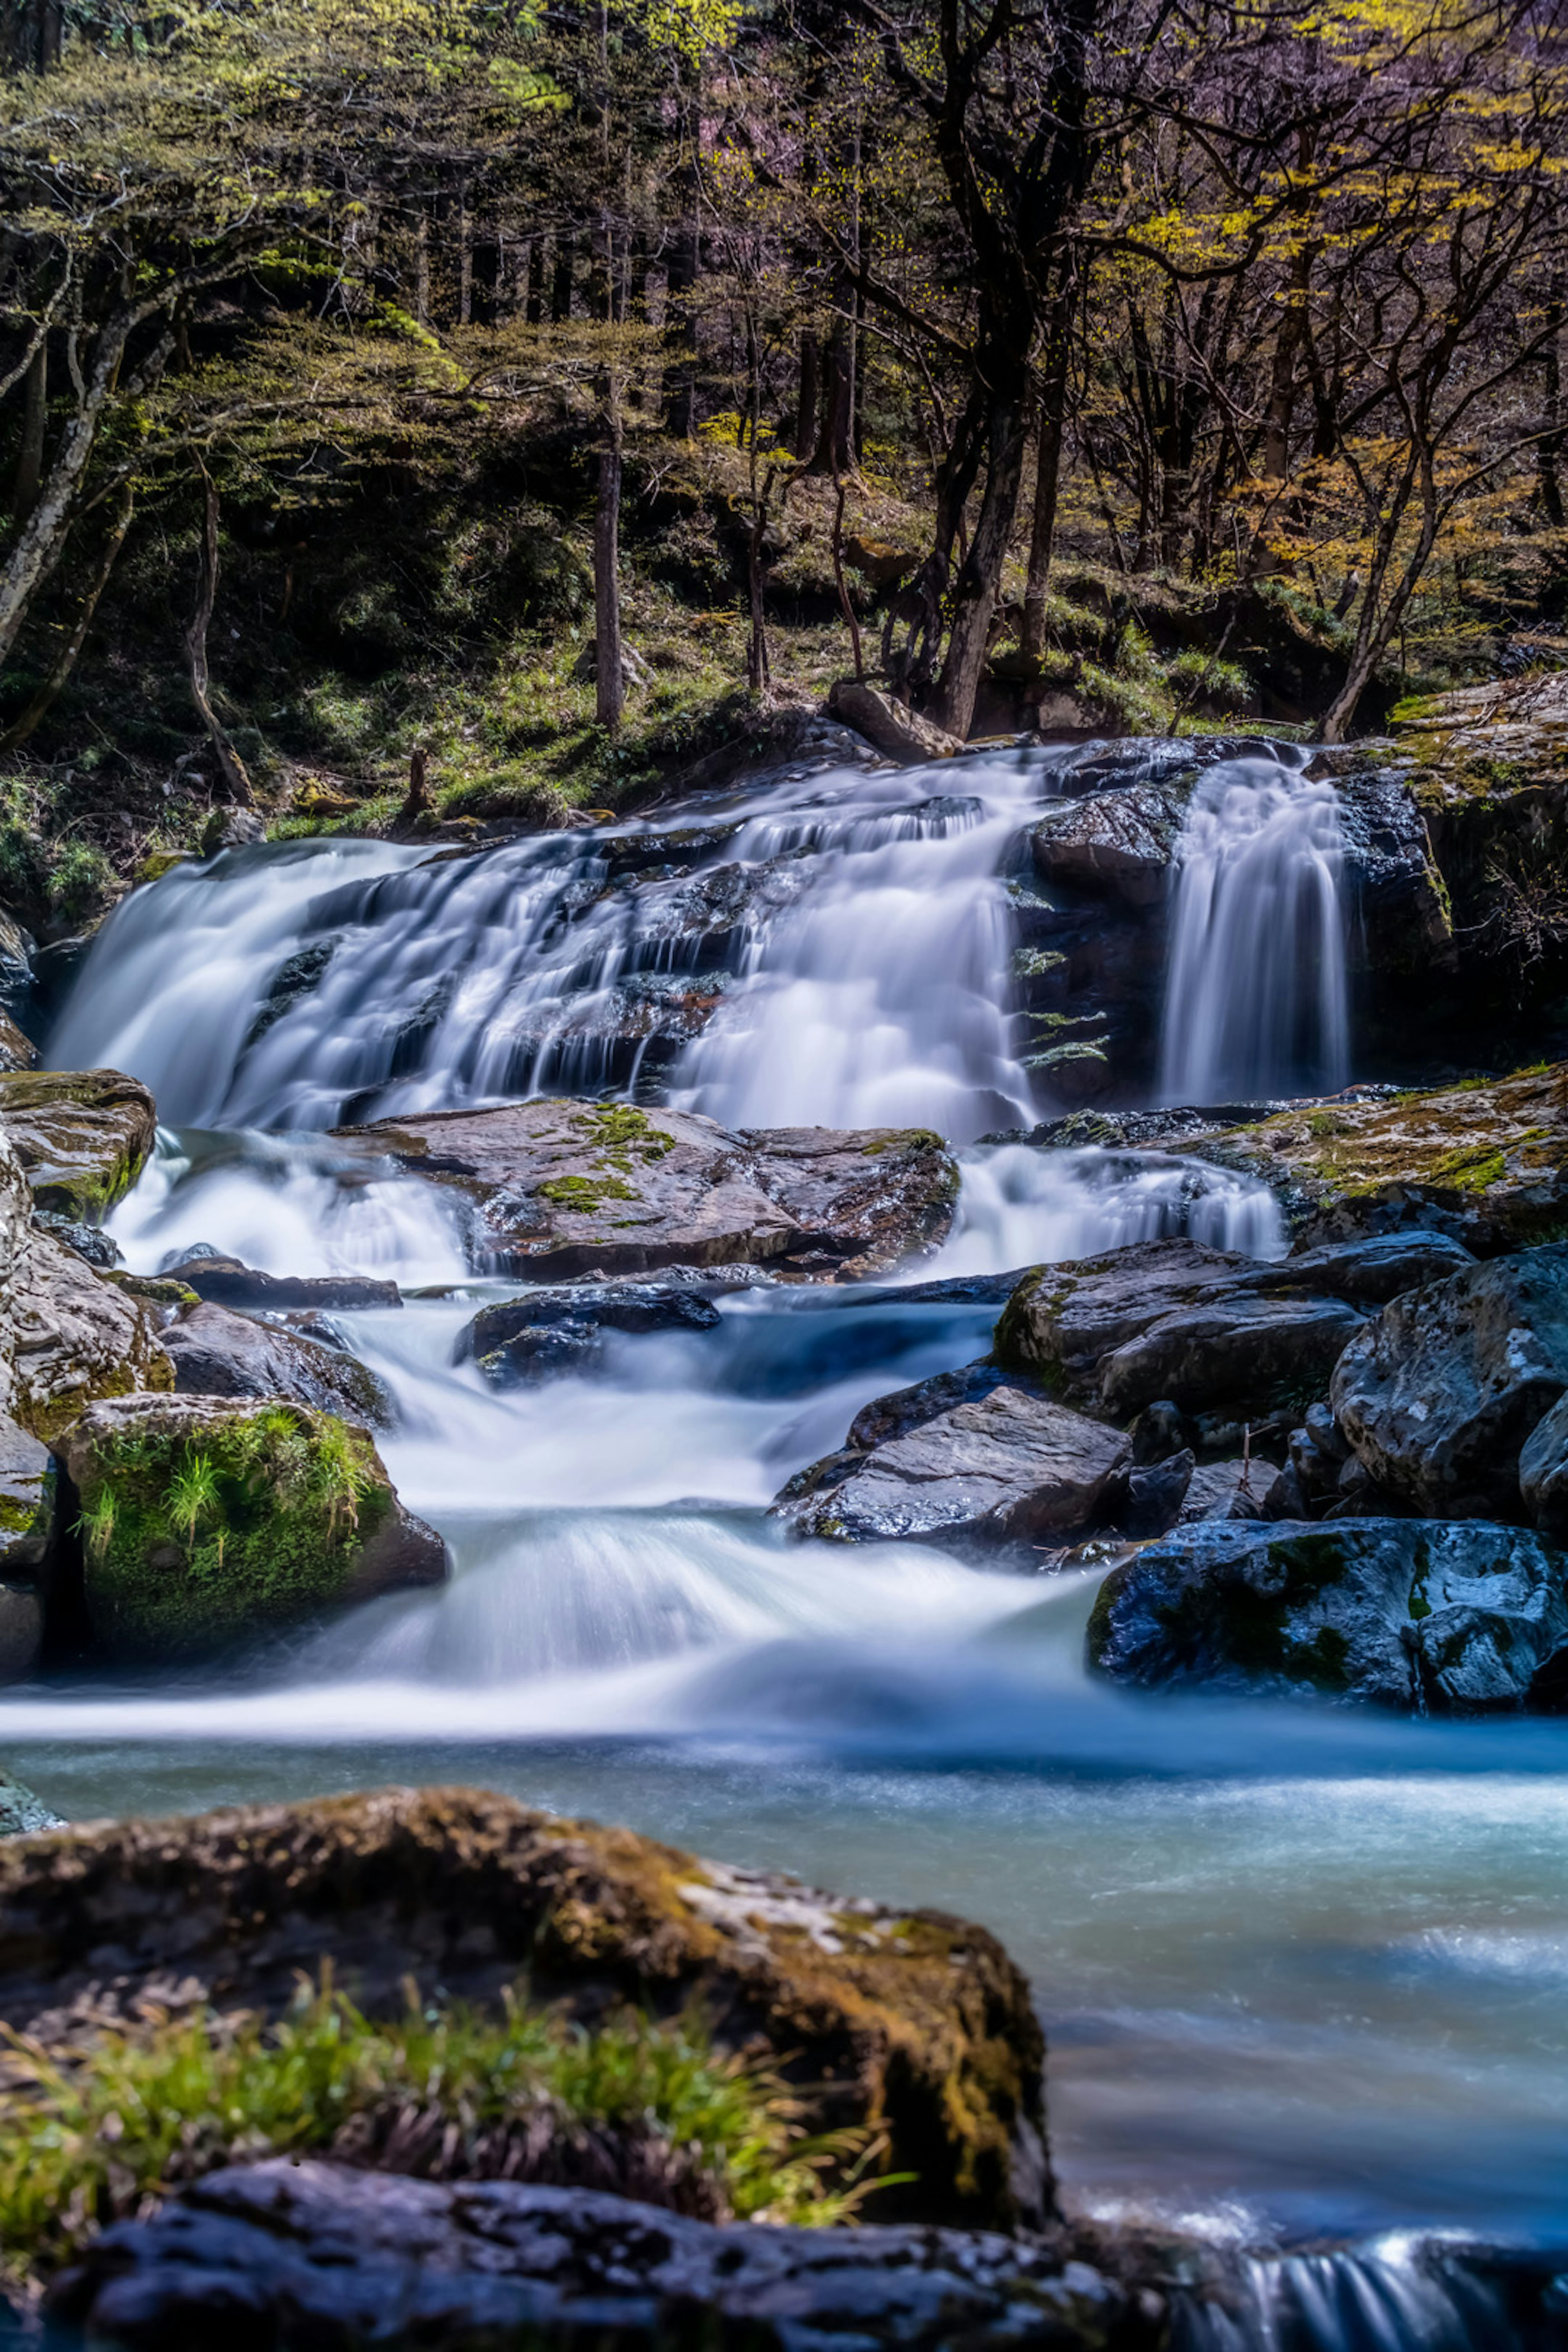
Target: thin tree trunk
{"points": [[975, 597], [43, 535], [561, 283], [810, 392], [609, 676], [35, 418], [66, 660], [230, 765], [1050, 416], [535, 308], [844, 606]]}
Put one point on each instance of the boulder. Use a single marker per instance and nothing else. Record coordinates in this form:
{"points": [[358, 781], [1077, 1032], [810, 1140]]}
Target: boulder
{"points": [[1440, 1619], [75, 1337], [209, 1520], [218, 1353], [17, 1052], [23, 1814], [316, 2252], [28, 1527], [1003, 1465], [1121, 841], [82, 1136], [1485, 1163], [1437, 1396], [1543, 1472], [562, 1329], [226, 1282], [912, 2023], [898, 733], [564, 1188]]}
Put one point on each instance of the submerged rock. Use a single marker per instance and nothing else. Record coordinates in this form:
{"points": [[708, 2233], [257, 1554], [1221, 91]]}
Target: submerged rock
{"points": [[1424, 1618], [1437, 1396], [216, 1353], [963, 1459], [209, 1520], [316, 2252], [226, 1282], [912, 2023], [564, 1188], [546, 1331], [82, 1136]]}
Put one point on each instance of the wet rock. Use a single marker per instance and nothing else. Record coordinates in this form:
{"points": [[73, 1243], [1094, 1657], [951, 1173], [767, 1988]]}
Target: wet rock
{"points": [[82, 1136], [1486, 1164], [1225, 1490], [225, 1282], [1004, 1466], [898, 734], [23, 1814], [89, 1241], [911, 2022], [1469, 1619], [358, 2259], [74, 1338], [1543, 1472], [1231, 1345], [209, 1520], [218, 1353], [1121, 841], [547, 1331], [565, 1188], [27, 1531], [1155, 1495], [17, 1052], [1437, 1396]]}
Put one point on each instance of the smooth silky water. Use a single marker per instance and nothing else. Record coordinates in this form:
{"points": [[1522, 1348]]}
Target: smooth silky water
{"points": [[1305, 1974]]}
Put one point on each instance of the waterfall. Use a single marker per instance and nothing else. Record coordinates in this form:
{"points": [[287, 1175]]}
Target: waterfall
{"points": [[1402, 2294], [1255, 997]]}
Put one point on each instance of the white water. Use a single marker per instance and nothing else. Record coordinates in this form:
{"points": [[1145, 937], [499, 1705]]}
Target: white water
{"points": [[1256, 1004], [1302, 1972]]}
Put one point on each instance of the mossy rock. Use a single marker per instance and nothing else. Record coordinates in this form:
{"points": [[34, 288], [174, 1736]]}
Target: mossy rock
{"points": [[206, 1521], [912, 2025], [82, 1136]]}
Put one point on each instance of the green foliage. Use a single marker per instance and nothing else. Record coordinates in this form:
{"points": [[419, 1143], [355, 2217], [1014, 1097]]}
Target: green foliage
{"points": [[87, 2134]]}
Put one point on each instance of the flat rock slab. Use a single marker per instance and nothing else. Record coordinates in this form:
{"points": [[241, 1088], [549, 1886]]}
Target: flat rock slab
{"points": [[227, 1282], [310, 2252], [1421, 1617], [1001, 1465], [521, 1340], [1439, 1394], [1486, 1163], [82, 1136], [914, 2022], [558, 1189]]}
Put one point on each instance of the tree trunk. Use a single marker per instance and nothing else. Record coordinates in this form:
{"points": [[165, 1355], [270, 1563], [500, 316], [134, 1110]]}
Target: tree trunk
{"points": [[230, 765], [680, 278], [975, 594], [1052, 415], [1549, 453], [44, 532], [66, 660], [834, 453], [534, 311], [609, 677], [561, 283], [810, 392], [35, 418]]}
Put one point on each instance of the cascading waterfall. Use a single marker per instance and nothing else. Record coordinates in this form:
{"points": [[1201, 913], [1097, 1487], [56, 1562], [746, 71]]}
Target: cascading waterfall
{"points": [[1255, 1002]]}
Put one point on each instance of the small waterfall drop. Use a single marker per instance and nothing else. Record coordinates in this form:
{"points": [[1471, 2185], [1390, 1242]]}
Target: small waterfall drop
{"points": [[1255, 996]]}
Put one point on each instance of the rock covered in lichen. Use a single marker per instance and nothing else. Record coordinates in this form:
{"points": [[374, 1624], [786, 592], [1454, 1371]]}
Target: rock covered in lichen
{"points": [[908, 2024], [207, 1521], [82, 1136], [557, 1188], [1429, 1618]]}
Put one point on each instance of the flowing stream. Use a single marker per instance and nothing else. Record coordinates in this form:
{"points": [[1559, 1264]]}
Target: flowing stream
{"points": [[1304, 1973]]}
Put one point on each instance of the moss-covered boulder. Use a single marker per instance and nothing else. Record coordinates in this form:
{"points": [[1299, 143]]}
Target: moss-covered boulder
{"points": [[1486, 1162], [911, 2024], [82, 1136], [207, 1521], [555, 1188]]}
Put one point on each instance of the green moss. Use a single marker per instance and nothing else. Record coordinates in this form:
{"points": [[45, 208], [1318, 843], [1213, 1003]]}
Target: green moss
{"points": [[586, 1193], [190, 1541], [85, 2138], [905, 1143]]}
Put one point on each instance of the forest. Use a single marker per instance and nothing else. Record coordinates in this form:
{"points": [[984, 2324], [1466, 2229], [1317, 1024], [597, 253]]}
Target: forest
{"points": [[463, 409]]}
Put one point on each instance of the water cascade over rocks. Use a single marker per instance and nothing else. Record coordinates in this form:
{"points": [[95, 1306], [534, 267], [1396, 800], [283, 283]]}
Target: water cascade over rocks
{"points": [[1256, 999], [1241, 1920]]}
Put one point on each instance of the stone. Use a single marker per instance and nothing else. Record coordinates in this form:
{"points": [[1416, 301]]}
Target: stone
{"points": [[908, 2022], [562, 1329], [557, 1188], [231, 828], [18, 1052], [1121, 841], [1420, 1617], [29, 1518], [225, 1282], [218, 1353], [89, 1241], [282, 2251], [23, 1814], [82, 1136], [1005, 1466], [74, 1338], [898, 734], [1225, 1490], [1254, 1349], [1487, 1163], [1436, 1397], [207, 1521], [1543, 1472]]}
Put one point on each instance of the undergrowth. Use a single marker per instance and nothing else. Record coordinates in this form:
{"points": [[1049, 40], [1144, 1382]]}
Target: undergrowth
{"points": [[102, 2130]]}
